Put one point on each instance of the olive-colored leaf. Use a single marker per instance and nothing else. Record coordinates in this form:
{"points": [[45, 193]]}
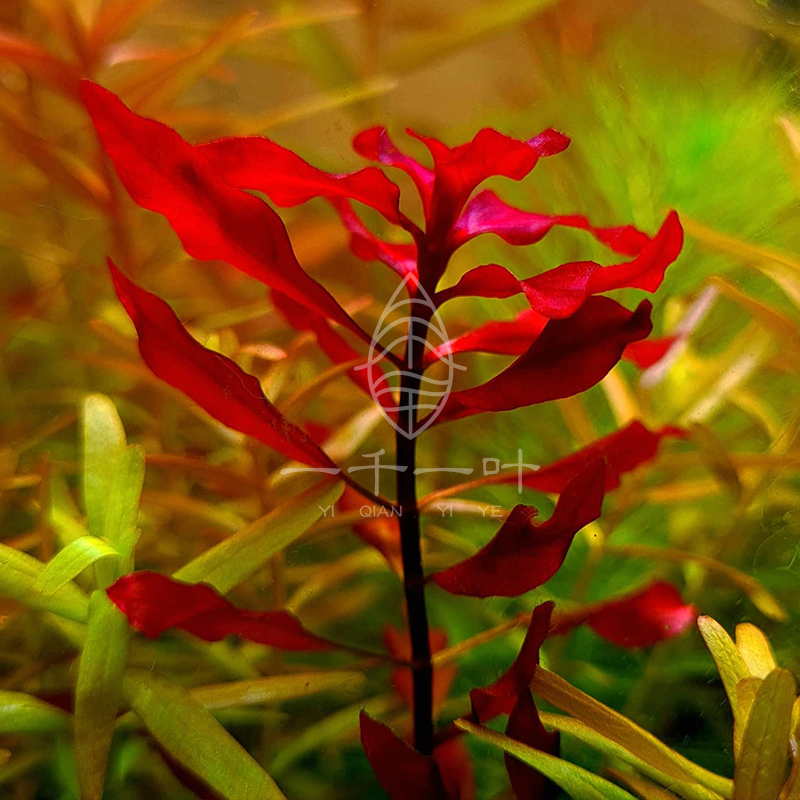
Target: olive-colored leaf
{"points": [[21, 713], [19, 580], [580, 784], [238, 557], [68, 563], [187, 730], [762, 762], [98, 691], [122, 503]]}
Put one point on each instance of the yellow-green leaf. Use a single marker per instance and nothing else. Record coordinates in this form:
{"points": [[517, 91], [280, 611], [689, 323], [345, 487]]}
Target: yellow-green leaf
{"points": [[580, 784], [72, 560], [98, 691], [21, 713], [122, 506], [19, 580], [762, 762], [755, 650], [238, 557], [189, 733]]}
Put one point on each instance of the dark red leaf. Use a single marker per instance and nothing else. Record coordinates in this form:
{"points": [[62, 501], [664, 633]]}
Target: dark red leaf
{"points": [[522, 556], [153, 603], [501, 696], [623, 451], [455, 767], [649, 351], [404, 773], [213, 381], [568, 357], [525, 726], [398, 644], [487, 213], [639, 619], [253, 162], [214, 221]]}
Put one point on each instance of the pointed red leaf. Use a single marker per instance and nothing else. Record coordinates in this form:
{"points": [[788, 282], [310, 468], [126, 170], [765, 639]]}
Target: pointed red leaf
{"points": [[501, 696], [253, 162], [398, 644], [522, 556], [568, 357], [487, 213], [623, 451], [639, 619], [404, 773], [649, 351], [525, 726], [154, 603], [560, 292], [214, 221], [216, 383]]}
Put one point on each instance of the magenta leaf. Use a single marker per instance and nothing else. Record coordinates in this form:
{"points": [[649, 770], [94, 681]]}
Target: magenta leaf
{"points": [[216, 383], [521, 555], [154, 603], [213, 220], [568, 357], [501, 696]]}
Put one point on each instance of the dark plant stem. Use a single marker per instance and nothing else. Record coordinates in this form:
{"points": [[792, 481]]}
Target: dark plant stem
{"points": [[413, 576]]}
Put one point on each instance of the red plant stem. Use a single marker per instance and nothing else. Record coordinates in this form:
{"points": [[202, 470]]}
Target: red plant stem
{"points": [[413, 576]]}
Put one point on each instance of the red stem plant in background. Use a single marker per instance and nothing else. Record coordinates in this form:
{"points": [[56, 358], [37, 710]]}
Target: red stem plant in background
{"points": [[567, 341]]}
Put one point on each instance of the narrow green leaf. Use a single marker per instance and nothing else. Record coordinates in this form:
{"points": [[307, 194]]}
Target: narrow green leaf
{"points": [[763, 760], [68, 563], [19, 580], [122, 504], [688, 789], [21, 713], [580, 784], [103, 442], [277, 688], [190, 734], [238, 557], [98, 691]]}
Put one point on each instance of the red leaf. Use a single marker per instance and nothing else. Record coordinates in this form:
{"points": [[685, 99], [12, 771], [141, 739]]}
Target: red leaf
{"points": [[153, 603], [398, 644], [522, 556], [213, 381], [568, 357], [525, 726], [381, 532], [455, 767], [649, 351], [487, 213], [639, 619], [214, 221], [253, 162], [560, 292], [623, 451], [404, 773], [501, 696]]}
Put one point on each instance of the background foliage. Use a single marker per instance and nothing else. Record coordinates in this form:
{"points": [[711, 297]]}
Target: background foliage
{"points": [[687, 105]]}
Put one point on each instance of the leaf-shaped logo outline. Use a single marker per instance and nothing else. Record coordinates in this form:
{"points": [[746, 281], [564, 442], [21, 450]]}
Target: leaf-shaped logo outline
{"points": [[381, 386]]}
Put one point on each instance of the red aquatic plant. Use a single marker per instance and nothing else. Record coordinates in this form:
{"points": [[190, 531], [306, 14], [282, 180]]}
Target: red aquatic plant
{"points": [[565, 342]]}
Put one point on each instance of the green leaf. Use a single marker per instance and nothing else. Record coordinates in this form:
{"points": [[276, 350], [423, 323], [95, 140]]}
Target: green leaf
{"points": [[21, 713], [617, 728], [72, 560], [19, 580], [122, 504], [190, 734], [238, 557], [580, 784], [276, 688], [103, 442], [762, 764], [98, 691], [690, 790]]}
